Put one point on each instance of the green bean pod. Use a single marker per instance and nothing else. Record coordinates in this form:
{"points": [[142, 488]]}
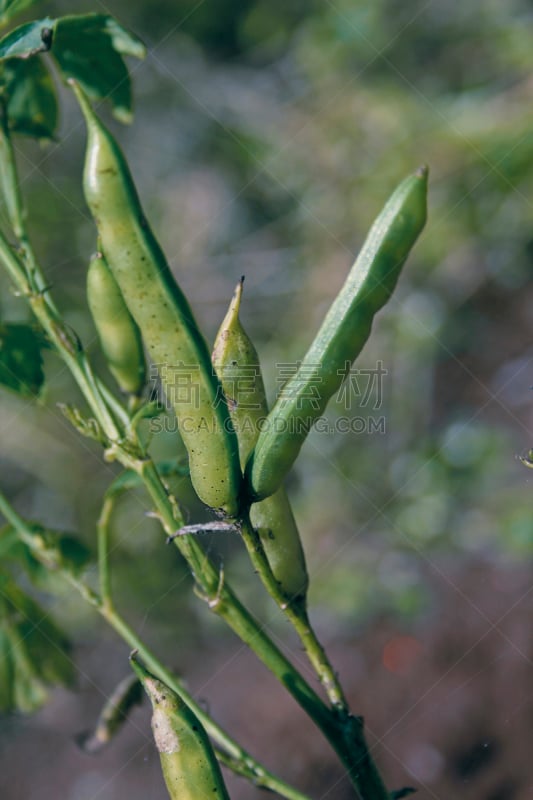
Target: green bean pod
{"points": [[161, 311], [341, 337], [119, 335], [237, 364], [189, 764]]}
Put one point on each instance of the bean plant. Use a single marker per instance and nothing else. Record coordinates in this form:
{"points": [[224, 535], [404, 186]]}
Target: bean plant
{"points": [[239, 451]]}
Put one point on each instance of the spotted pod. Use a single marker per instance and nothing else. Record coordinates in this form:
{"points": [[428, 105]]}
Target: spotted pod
{"points": [[341, 337], [119, 335], [189, 764], [237, 364], [161, 311]]}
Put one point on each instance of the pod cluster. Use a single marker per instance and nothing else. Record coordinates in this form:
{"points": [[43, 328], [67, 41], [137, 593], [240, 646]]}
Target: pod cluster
{"points": [[132, 289]]}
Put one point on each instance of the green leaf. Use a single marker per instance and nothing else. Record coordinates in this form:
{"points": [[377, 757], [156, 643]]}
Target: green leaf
{"points": [[29, 91], [123, 41], [89, 48], [33, 651], [10, 9], [21, 364], [28, 39]]}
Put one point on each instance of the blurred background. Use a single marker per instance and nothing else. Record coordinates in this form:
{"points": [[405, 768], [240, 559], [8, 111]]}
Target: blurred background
{"points": [[267, 136]]}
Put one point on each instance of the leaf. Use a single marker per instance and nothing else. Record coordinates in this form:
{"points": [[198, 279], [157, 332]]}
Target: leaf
{"points": [[28, 39], [33, 651], [31, 97], [10, 9], [124, 42], [21, 364], [89, 48], [87, 426]]}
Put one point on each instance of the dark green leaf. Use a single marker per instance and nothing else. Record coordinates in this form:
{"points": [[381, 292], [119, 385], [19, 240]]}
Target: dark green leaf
{"points": [[10, 9], [89, 48], [21, 365], [33, 651], [31, 98], [28, 39]]}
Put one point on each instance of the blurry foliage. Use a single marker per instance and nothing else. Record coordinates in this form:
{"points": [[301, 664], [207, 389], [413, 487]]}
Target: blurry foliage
{"points": [[267, 136]]}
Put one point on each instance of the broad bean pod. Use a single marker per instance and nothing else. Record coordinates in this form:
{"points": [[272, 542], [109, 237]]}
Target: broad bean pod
{"points": [[189, 764], [119, 335], [237, 364], [341, 337], [163, 315]]}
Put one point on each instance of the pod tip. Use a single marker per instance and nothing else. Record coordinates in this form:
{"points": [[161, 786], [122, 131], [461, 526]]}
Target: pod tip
{"points": [[236, 302], [422, 171]]}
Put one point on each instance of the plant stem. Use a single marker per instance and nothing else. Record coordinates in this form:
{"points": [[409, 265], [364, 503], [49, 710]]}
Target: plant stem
{"points": [[102, 532], [296, 612], [271, 782], [65, 343]]}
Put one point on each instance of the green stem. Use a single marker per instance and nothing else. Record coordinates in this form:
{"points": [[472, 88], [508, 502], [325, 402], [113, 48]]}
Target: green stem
{"points": [[220, 598], [269, 782], [102, 531], [30, 281], [296, 612], [10, 183], [15, 207], [63, 340]]}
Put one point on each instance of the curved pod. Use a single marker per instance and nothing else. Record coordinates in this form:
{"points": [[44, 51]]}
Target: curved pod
{"points": [[341, 337]]}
